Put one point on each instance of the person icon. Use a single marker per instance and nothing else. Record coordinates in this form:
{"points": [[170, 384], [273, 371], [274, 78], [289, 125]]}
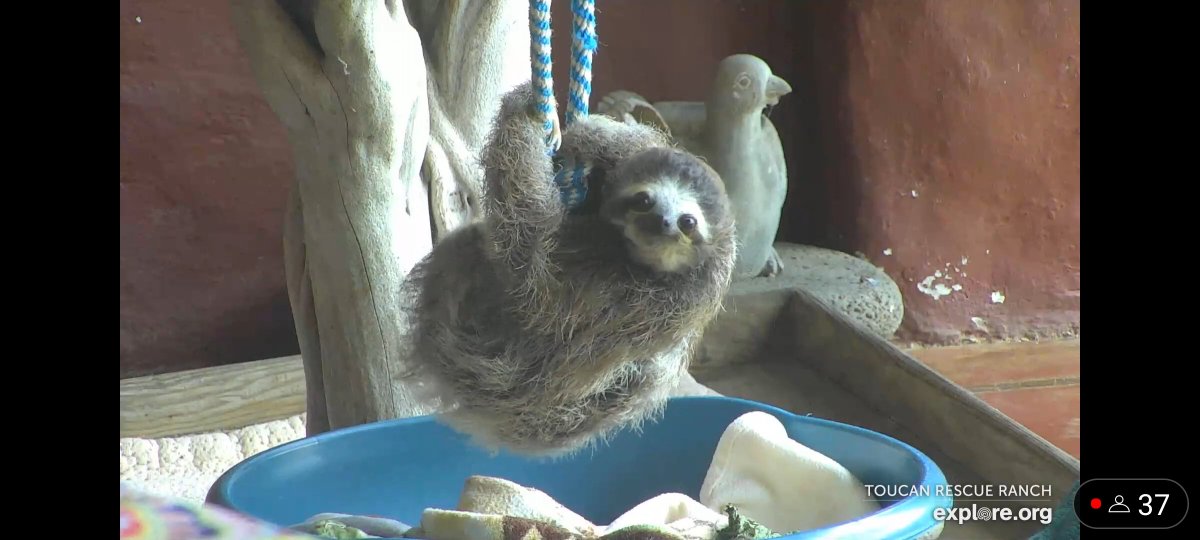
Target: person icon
{"points": [[1118, 507]]}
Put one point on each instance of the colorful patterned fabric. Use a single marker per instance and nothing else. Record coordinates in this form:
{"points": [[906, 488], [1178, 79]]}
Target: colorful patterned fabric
{"points": [[148, 517]]}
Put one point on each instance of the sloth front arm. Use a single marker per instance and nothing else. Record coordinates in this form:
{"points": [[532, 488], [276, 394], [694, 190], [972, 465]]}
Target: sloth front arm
{"points": [[524, 211]]}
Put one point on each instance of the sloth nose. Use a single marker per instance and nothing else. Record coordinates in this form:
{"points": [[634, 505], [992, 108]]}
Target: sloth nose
{"points": [[656, 224], [668, 226]]}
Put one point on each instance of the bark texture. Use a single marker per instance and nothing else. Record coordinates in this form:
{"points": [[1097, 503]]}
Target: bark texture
{"points": [[386, 109]]}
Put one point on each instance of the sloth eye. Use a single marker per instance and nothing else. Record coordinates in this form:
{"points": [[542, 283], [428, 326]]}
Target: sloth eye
{"points": [[641, 202], [687, 223]]}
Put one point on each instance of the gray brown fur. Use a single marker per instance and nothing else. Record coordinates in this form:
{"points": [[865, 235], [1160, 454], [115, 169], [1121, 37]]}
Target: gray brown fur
{"points": [[534, 326]]}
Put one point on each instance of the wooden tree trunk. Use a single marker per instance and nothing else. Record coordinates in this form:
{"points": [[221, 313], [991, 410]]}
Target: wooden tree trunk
{"points": [[475, 52], [349, 80]]}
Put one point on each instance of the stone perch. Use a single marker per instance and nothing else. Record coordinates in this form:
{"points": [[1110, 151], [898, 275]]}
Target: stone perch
{"points": [[852, 286]]}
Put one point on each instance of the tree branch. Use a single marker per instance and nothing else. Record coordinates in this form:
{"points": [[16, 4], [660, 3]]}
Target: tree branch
{"points": [[476, 52], [357, 118], [374, 134]]}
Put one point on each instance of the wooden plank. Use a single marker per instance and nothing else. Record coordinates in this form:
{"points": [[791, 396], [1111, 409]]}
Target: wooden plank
{"points": [[924, 402], [992, 366], [211, 399], [234, 396]]}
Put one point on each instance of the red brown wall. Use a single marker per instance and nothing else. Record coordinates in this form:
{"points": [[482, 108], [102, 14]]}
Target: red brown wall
{"points": [[974, 107], [885, 102], [204, 173]]}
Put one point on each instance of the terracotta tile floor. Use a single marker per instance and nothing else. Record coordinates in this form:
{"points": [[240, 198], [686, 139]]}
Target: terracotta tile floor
{"points": [[1036, 384]]}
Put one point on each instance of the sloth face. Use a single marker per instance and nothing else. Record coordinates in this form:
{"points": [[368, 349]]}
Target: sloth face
{"points": [[663, 222], [669, 205]]}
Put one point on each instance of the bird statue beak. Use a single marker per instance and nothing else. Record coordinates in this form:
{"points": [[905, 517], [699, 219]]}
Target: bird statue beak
{"points": [[777, 88]]}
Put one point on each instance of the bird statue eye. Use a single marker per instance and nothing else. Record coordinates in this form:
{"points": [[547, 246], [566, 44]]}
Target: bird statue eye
{"points": [[687, 223], [642, 202]]}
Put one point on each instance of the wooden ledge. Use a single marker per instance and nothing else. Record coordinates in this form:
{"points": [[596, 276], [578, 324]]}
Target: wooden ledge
{"points": [[237, 395], [212, 399]]}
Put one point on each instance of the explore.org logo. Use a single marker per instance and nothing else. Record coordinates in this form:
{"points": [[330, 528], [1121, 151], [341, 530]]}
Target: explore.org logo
{"points": [[963, 514], [978, 502]]}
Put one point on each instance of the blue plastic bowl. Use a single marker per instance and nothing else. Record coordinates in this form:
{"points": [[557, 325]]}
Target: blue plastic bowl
{"points": [[398, 468]]}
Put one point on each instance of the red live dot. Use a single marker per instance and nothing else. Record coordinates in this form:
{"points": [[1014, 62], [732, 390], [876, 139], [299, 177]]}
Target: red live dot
{"points": [[1095, 504]]}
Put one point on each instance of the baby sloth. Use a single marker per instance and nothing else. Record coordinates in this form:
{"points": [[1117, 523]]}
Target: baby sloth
{"points": [[543, 331]]}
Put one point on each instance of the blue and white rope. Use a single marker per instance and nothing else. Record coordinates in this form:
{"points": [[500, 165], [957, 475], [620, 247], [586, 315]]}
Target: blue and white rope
{"points": [[571, 179], [583, 46], [539, 62]]}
